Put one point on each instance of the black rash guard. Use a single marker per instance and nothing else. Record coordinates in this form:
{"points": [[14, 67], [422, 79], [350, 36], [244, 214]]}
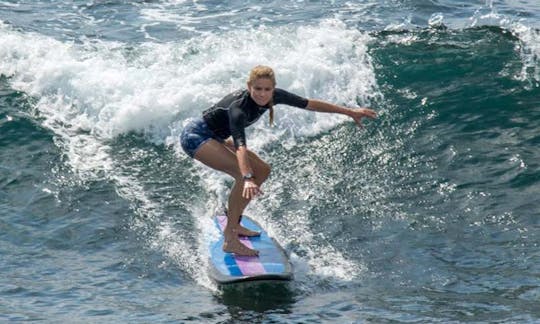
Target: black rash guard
{"points": [[236, 111]]}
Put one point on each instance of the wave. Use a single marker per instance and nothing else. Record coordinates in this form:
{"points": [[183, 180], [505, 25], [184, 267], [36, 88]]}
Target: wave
{"points": [[94, 94]]}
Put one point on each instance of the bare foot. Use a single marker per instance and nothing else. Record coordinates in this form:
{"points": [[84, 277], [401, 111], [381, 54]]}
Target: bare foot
{"points": [[236, 247], [242, 231]]}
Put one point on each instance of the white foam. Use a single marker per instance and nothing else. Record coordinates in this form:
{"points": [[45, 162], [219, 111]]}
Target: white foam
{"points": [[9, 4], [108, 95], [436, 20], [314, 257], [530, 53]]}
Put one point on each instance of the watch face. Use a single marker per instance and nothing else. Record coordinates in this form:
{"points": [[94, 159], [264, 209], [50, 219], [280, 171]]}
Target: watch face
{"points": [[248, 176]]}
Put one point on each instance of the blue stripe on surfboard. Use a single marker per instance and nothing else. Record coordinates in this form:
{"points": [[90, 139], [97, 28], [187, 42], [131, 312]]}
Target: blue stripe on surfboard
{"points": [[233, 268]]}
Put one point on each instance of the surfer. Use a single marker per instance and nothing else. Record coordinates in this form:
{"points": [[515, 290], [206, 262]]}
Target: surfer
{"points": [[218, 140]]}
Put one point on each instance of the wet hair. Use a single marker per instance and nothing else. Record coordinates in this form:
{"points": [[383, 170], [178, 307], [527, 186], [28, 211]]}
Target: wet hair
{"points": [[264, 72]]}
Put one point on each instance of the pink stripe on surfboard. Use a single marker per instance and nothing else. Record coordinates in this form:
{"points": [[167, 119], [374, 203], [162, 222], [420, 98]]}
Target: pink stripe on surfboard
{"points": [[248, 265]]}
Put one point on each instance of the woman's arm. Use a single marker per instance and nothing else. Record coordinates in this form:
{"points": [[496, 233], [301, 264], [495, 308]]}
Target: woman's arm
{"points": [[357, 113], [243, 160], [236, 122], [251, 189]]}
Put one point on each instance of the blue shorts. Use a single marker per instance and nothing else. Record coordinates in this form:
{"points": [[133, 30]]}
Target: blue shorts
{"points": [[195, 134]]}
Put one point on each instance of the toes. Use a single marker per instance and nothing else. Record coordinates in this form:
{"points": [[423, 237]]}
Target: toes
{"points": [[247, 232]]}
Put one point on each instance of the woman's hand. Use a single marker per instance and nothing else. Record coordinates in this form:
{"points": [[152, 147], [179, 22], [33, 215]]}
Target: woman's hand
{"points": [[251, 189], [355, 113], [359, 113]]}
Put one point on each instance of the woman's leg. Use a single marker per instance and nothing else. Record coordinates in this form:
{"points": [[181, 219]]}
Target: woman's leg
{"points": [[220, 157], [261, 172]]}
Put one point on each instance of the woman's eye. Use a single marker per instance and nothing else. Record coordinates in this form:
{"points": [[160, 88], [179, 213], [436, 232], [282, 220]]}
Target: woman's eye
{"points": [[262, 89]]}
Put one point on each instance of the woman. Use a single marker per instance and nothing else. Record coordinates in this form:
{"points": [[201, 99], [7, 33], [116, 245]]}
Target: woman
{"points": [[208, 140]]}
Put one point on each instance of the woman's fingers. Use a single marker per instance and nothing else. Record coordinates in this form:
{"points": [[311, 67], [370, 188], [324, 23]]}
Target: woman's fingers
{"points": [[366, 112], [250, 193], [361, 113], [251, 190]]}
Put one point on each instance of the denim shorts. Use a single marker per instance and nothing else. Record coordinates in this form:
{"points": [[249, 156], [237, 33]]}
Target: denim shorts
{"points": [[195, 134]]}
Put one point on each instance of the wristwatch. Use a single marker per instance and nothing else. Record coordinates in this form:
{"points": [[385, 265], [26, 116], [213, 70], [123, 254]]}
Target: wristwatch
{"points": [[249, 176]]}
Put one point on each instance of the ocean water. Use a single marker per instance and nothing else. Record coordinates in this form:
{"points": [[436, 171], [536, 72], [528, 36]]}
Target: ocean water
{"points": [[429, 214]]}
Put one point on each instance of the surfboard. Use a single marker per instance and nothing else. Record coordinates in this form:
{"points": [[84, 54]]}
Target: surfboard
{"points": [[272, 263]]}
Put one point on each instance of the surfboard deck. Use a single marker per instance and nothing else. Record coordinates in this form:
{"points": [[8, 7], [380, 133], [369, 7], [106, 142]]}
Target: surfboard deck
{"points": [[272, 263]]}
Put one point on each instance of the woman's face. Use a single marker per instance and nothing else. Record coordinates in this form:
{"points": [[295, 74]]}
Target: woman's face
{"points": [[261, 91]]}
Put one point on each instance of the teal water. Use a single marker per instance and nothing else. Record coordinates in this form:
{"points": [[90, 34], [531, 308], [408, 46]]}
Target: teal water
{"points": [[428, 214]]}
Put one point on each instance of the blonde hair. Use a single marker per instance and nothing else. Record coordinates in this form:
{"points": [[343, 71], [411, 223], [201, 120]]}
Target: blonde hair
{"points": [[264, 72]]}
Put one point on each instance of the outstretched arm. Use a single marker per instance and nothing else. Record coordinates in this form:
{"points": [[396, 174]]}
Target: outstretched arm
{"points": [[355, 113]]}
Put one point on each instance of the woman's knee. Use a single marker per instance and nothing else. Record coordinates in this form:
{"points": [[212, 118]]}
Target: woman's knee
{"points": [[263, 171]]}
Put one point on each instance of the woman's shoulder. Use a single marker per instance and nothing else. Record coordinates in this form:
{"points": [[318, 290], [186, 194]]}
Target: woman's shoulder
{"points": [[232, 97], [239, 92], [282, 96], [280, 92]]}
